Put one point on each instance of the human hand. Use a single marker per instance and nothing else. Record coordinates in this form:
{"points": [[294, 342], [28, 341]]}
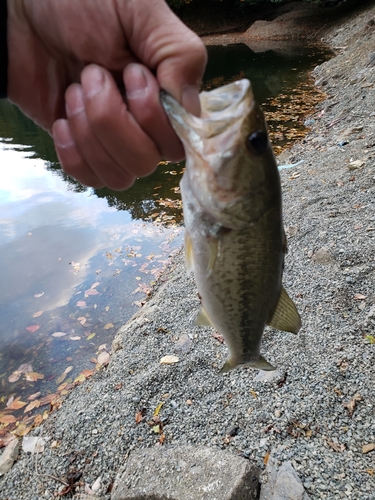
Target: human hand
{"points": [[69, 63]]}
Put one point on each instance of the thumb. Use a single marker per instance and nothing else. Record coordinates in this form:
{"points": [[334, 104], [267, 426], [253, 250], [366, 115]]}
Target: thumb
{"points": [[163, 43]]}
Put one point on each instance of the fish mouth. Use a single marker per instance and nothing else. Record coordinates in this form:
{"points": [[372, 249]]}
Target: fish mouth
{"points": [[220, 109]]}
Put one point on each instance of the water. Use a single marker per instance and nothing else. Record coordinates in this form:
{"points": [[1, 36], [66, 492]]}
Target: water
{"points": [[78, 262]]}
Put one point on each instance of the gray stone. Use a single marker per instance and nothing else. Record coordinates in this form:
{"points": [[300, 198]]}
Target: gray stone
{"points": [[283, 483], [186, 473], [322, 256], [9, 456], [272, 376]]}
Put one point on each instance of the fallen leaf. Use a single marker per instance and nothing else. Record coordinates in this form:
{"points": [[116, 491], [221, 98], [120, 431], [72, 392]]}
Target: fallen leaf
{"points": [[81, 303], [91, 291], [96, 485], [48, 399], [108, 326], [16, 404], [15, 376], [32, 405], [352, 404], [162, 438], [253, 393], [37, 314], [82, 320], [157, 409], [95, 284], [76, 337], [91, 336], [169, 360], [34, 376], [359, 296], [138, 417], [8, 419], [266, 458], [156, 429], [368, 447], [33, 396], [58, 334], [32, 328], [38, 295], [336, 446], [103, 358]]}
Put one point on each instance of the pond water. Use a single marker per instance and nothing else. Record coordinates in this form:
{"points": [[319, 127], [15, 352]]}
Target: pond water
{"points": [[75, 262]]}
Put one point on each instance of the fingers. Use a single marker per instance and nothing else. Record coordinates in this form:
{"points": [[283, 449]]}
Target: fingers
{"points": [[162, 42], [142, 92], [106, 144]]}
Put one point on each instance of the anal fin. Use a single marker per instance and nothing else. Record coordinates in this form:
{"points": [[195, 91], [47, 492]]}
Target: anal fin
{"points": [[285, 317], [260, 364]]}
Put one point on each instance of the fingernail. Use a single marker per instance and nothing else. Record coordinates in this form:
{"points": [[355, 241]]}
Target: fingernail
{"points": [[61, 134], [92, 80], [74, 100], [190, 100], [136, 81]]}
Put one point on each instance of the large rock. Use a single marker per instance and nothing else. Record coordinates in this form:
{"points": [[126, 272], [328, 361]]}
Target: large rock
{"points": [[283, 483], [9, 456], [186, 473]]}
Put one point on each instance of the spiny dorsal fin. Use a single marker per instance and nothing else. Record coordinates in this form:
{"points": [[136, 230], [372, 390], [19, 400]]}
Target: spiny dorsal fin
{"points": [[189, 253], [202, 319], [285, 316]]}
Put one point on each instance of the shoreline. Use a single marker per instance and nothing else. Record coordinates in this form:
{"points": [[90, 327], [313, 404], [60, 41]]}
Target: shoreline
{"points": [[329, 216]]}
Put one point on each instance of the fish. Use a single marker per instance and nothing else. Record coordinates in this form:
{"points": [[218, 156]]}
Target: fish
{"points": [[234, 236]]}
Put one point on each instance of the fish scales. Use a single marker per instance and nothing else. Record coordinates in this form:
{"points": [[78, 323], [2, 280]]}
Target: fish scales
{"points": [[235, 241]]}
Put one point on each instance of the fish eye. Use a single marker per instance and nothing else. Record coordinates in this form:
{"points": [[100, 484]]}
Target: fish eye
{"points": [[257, 142]]}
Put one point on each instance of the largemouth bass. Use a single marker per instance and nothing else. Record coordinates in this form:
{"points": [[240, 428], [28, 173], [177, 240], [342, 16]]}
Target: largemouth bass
{"points": [[234, 239]]}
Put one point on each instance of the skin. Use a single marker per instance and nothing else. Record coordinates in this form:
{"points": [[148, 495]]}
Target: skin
{"points": [[90, 73]]}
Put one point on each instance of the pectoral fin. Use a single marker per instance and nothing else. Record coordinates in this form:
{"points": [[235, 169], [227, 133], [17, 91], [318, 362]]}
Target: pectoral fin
{"points": [[285, 317], [202, 319], [189, 253]]}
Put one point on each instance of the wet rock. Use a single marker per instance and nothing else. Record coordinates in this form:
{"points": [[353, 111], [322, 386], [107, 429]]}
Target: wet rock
{"points": [[9, 456], [283, 483], [196, 473]]}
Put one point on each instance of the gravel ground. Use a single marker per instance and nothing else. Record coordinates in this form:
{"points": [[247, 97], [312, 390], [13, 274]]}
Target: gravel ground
{"points": [[319, 409]]}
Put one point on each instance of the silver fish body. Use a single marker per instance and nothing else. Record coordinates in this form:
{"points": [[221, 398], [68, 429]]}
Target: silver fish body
{"points": [[234, 240]]}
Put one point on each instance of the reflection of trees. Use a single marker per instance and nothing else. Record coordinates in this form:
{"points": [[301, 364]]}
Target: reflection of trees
{"points": [[271, 72]]}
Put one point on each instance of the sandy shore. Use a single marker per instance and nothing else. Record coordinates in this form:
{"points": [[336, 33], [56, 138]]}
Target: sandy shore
{"points": [[319, 411]]}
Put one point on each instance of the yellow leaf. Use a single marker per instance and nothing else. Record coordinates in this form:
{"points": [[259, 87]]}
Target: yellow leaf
{"points": [[60, 379], [108, 326], [157, 409], [91, 336], [253, 393]]}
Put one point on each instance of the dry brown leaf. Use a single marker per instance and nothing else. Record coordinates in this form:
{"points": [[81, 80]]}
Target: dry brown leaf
{"points": [[33, 396], [266, 458], [76, 337], [32, 405], [8, 419], [34, 376], [359, 296], [368, 447], [95, 284], [16, 404], [336, 446], [138, 417], [32, 328], [108, 326], [118, 386], [352, 404], [15, 376], [37, 314], [81, 303]]}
